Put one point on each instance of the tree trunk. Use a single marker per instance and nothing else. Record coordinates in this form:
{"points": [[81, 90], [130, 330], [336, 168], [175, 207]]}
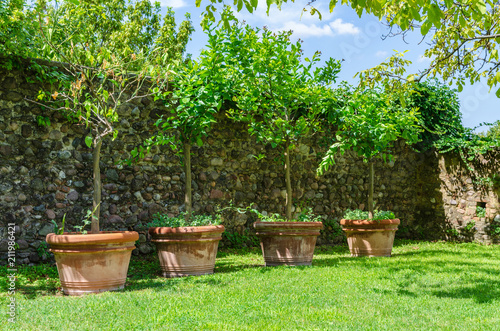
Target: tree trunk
{"points": [[370, 191], [187, 170], [288, 182], [96, 207]]}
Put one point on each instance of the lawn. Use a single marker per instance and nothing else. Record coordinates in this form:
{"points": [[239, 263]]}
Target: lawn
{"points": [[423, 286]]}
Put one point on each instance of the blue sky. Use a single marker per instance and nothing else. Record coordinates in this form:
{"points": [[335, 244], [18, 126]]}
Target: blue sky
{"points": [[343, 35]]}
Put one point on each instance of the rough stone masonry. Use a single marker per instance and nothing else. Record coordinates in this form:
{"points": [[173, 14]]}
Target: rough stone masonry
{"points": [[45, 173]]}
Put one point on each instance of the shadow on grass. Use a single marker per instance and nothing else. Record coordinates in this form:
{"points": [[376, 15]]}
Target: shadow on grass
{"points": [[480, 289], [162, 283], [462, 272], [428, 271], [444, 274], [440, 253], [483, 291], [50, 287], [32, 281], [228, 267]]}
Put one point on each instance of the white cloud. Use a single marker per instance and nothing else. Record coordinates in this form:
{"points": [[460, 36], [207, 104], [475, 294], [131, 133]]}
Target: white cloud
{"points": [[334, 28], [172, 3], [303, 30], [422, 59], [303, 24], [381, 54], [340, 27], [290, 12]]}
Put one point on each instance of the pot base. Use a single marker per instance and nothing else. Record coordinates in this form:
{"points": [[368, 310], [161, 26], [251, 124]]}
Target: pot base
{"points": [[187, 270]]}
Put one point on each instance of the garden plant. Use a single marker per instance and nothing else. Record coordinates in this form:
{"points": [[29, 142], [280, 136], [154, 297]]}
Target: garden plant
{"points": [[111, 56], [277, 91], [370, 125]]}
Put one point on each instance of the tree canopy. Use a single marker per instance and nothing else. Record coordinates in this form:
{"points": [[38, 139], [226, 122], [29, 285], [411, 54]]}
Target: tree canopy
{"points": [[115, 53], [494, 131], [370, 124], [274, 88], [464, 37], [69, 29]]}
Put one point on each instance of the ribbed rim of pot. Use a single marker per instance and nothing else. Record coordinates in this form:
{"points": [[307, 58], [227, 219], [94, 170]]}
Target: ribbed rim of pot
{"points": [[288, 225], [103, 237], [186, 229], [394, 221]]}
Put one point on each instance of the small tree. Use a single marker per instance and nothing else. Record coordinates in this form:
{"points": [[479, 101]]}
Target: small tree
{"points": [[370, 124], [197, 94], [112, 53], [275, 92]]}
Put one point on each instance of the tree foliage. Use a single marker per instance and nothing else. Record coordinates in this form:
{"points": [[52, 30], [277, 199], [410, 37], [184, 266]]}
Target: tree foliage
{"points": [[370, 124], [113, 54], [277, 91], [89, 32], [440, 117], [464, 37], [493, 132], [195, 98], [17, 29], [438, 112]]}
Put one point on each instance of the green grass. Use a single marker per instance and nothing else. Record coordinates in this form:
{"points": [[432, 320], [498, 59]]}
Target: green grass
{"points": [[425, 286]]}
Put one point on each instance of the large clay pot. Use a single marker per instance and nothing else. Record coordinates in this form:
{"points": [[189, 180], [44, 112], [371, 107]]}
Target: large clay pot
{"points": [[92, 263], [370, 238], [187, 251], [288, 243]]}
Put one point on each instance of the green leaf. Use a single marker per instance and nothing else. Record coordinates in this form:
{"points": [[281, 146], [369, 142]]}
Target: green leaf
{"points": [[88, 141], [105, 95], [315, 11], [332, 5], [481, 6], [462, 21], [425, 27], [199, 142], [497, 93]]}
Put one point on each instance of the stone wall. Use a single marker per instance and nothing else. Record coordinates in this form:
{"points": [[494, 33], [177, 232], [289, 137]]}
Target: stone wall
{"points": [[45, 173], [462, 193]]}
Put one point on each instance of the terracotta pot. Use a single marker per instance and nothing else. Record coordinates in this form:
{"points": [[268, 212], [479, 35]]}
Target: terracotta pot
{"points": [[288, 243], [92, 263], [370, 238], [187, 251]]}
